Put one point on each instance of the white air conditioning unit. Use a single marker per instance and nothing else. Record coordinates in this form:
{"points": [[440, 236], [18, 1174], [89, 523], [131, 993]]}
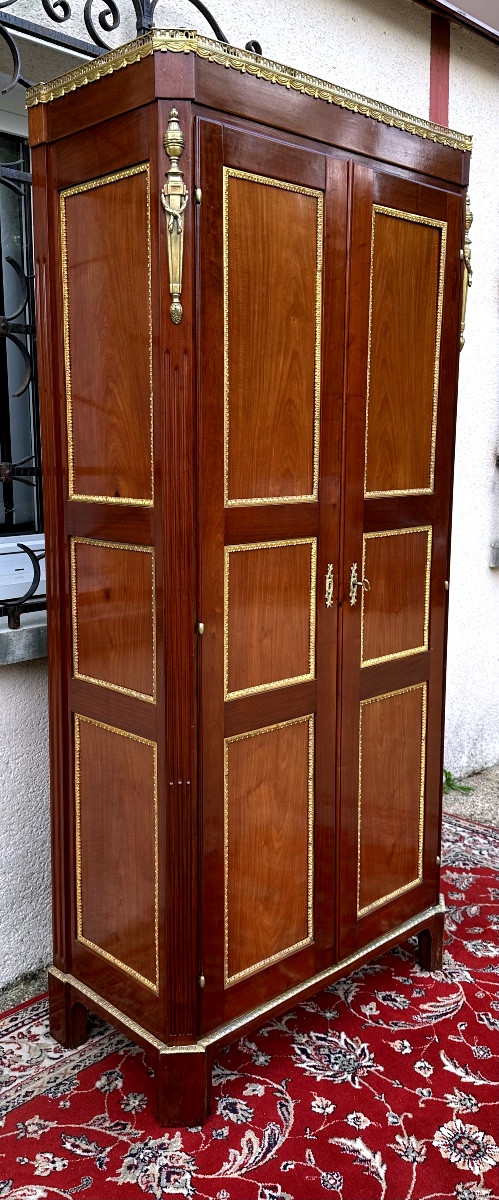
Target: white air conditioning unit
{"points": [[16, 569]]}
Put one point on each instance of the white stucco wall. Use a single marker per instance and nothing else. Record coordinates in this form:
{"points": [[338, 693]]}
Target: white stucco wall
{"points": [[472, 708], [371, 46], [25, 940], [380, 48], [377, 47]]}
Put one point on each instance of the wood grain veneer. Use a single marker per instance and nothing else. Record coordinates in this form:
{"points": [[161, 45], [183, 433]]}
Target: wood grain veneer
{"points": [[270, 599], [391, 795], [269, 815], [105, 229], [114, 616], [116, 847], [273, 249], [408, 257], [396, 609]]}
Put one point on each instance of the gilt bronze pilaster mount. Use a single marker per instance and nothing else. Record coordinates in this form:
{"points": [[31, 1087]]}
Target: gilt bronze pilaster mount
{"points": [[468, 270], [174, 198]]}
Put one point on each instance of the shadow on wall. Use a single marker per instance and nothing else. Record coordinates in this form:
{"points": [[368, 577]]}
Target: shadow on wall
{"points": [[25, 938]]}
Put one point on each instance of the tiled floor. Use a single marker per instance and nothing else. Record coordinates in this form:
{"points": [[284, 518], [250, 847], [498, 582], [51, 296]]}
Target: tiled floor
{"points": [[482, 804]]}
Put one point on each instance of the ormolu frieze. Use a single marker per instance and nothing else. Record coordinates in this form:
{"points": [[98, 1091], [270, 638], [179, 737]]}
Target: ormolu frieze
{"points": [[182, 41]]}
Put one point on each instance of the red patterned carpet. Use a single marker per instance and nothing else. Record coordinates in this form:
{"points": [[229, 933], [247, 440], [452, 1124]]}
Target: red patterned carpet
{"points": [[384, 1087]]}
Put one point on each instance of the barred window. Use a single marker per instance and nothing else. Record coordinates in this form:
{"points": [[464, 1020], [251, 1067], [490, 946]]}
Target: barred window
{"points": [[20, 497], [21, 506]]}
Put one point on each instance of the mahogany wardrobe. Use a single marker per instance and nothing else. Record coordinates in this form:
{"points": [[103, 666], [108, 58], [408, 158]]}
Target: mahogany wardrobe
{"points": [[249, 289]]}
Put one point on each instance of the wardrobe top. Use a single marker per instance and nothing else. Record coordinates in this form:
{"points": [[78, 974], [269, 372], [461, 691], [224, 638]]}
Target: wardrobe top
{"points": [[182, 41]]}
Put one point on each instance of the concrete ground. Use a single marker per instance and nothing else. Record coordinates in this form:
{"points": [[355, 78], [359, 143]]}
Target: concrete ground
{"points": [[482, 805], [22, 989]]}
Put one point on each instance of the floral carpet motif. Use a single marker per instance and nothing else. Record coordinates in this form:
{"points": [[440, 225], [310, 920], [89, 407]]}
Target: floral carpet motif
{"points": [[383, 1087]]}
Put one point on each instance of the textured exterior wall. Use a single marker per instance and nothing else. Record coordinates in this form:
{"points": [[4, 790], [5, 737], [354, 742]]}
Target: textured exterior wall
{"points": [[25, 940], [472, 710], [371, 46], [377, 47]]}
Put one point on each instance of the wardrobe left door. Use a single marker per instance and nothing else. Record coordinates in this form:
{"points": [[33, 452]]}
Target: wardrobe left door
{"points": [[102, 457], [271, 267]]}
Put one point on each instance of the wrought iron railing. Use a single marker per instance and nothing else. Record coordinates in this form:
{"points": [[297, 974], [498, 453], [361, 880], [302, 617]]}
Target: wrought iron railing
{"points": [[28, 602], [17, 328], [102, 19]]}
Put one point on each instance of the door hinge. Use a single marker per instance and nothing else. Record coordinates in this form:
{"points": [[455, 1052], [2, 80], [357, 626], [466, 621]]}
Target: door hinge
{"points": [[329, 585], [465, 256]]}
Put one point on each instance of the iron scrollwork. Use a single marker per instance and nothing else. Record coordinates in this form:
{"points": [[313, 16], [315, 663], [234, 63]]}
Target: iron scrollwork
{"points": [[11, 328], [18, 327], [13, 48], [97, 24], [101, 18], [12, 609], [109, 20]]}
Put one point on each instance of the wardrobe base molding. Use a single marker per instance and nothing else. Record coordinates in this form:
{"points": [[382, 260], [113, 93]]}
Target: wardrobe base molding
{"points": [[183, 1072]]}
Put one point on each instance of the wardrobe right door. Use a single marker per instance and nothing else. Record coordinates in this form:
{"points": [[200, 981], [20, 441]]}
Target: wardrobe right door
{"points": [[403, 340]]}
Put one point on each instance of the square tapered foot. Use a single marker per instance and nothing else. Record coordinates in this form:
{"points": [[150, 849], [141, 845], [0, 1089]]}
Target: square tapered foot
{"points": [[182, 1086], [431, 942], [67, 1015]]}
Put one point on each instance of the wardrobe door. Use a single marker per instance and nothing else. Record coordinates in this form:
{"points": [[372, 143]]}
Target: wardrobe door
{"points": [[271, 263], [402, 380]]}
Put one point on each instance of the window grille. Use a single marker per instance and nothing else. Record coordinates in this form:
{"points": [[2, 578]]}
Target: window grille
{"points": [[21, 506], [21, 511]]}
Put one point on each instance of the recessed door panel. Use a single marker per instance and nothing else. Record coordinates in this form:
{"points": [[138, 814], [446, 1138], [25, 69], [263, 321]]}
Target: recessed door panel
{"points": [[113, 611], [272, 278], [270, 596], [392, 756], [269, 780], [396, 607], [106, 260], [116, 848], [405, 322]]}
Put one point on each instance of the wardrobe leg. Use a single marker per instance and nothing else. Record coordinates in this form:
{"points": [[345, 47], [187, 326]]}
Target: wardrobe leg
{"points": [[68, 1017], [182, 1087], [431, 944]]}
